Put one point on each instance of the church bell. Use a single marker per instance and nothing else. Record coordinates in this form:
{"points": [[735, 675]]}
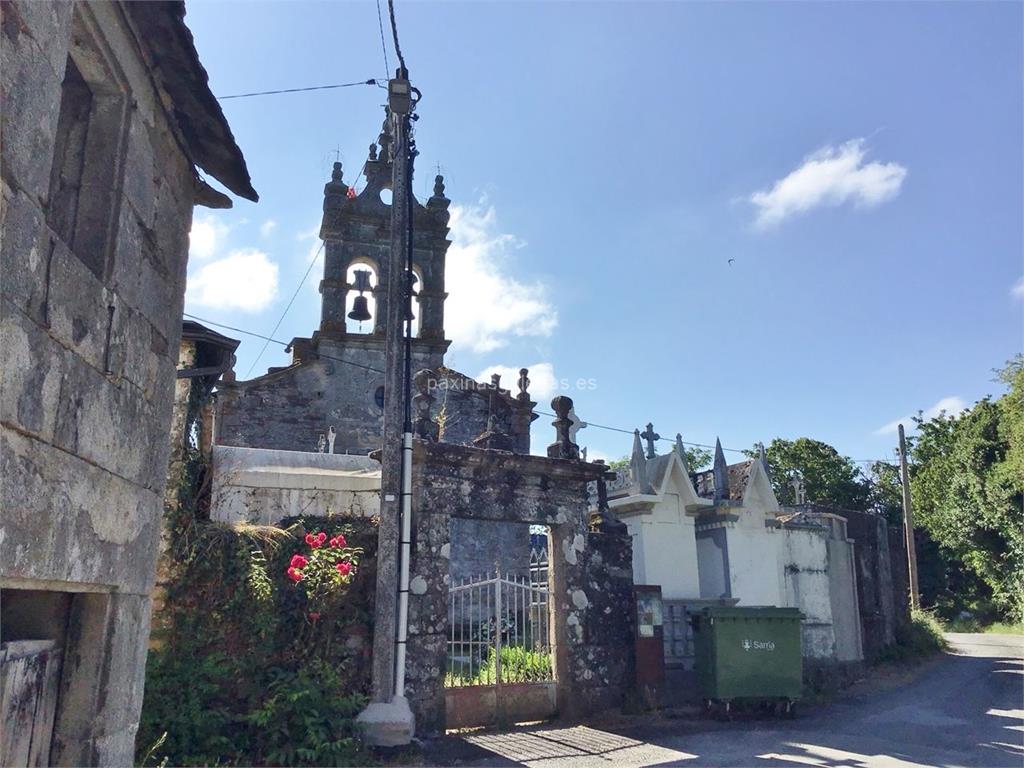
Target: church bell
{"points": [[360, 309]]}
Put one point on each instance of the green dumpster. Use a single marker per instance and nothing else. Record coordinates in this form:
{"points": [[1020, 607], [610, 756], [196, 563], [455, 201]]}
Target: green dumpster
{"points": [[748, 653]]}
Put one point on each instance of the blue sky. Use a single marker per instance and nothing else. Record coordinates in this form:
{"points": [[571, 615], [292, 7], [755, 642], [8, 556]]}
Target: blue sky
{"points": [[861, 164]]}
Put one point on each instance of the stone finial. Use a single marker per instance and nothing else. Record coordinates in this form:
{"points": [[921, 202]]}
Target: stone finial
{"points": [[762, 457], [681, 452], [321, 443], [563, 447], [496, 380], [524, 385], [384, 139], [424, 427], [331, 437], [720, 472], [650, 436], [336, 190], [373, 153], [638, 465], [439, 186]]}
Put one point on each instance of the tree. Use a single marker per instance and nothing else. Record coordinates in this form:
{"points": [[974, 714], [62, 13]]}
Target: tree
{"points": [[829, 477], [696, 459], [967, 480]]}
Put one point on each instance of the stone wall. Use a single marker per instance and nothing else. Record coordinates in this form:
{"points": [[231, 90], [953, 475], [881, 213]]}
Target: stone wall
{"points": [[90, 319], [590, 575]]}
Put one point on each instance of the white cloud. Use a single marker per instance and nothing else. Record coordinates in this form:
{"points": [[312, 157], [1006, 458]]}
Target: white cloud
{"points": [[486, 306], [951, 406], [1017, 291], [267, 227], [245, 279], [829, 177], [207, 236], [543, 383]]}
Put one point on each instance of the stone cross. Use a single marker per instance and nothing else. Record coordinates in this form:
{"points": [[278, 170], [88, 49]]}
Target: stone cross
{"points": [[799, 493], [575, 424], [331, 435], [649, 437]]}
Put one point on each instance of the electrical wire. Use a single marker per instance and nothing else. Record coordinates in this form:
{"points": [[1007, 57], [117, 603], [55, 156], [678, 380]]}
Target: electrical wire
{"points": [[290, 302], [286, 344], [371, 81], [383, 45], [394, 33]]}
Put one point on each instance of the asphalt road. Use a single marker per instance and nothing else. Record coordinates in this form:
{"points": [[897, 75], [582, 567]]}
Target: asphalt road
{"points": [[964, 709]]}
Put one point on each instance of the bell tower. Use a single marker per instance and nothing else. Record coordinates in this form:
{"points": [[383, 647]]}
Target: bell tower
{"points": [[356, 231]]}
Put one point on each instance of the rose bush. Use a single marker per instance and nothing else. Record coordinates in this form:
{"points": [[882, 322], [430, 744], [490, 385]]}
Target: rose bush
{"points": [[324, 571]]}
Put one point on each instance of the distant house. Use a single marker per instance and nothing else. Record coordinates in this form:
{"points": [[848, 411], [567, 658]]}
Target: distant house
{"points": [[107, 118]]}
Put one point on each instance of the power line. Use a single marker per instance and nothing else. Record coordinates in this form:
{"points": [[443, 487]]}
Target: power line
{"points": [[394, 33], [278, 341], [371, 81], [290, 302], [383, 45]]}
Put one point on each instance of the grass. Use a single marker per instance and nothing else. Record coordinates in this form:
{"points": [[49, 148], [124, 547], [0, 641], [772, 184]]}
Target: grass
{"points": [[994, 628], [518, 665]]}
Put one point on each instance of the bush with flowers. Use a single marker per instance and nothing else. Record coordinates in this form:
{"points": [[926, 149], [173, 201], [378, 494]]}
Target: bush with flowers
{"points": [[262, 648]]}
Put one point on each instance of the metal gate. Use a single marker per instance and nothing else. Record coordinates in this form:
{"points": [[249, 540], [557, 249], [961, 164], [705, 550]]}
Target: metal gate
{"points": [[500, 666]]}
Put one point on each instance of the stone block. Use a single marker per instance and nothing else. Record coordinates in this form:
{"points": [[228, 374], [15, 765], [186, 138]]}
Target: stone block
{"points": [[25, 253], [68, 520], [33, 369], [30, 90]]}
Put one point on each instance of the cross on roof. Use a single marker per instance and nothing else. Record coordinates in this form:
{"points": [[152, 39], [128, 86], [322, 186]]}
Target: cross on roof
{"points": [[650, 436]]}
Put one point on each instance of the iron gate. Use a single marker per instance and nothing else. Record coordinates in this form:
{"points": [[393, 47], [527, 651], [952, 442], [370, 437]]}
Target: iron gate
{"points": [[499, 648]]}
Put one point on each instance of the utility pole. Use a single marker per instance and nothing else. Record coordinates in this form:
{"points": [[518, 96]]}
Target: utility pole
{"points": [[908, 524], [388, 721]]}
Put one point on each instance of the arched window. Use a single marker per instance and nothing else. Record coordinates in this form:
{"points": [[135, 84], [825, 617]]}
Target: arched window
{"points": [[360, 304], [417, 309]]}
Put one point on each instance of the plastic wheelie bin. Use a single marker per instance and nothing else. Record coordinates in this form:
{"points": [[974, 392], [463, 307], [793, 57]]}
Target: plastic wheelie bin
{"points": [[748, 654]]}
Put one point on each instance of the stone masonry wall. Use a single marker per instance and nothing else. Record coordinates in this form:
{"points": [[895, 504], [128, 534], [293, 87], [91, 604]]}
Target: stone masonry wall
{"points": [[88, 345], [592, 631]]}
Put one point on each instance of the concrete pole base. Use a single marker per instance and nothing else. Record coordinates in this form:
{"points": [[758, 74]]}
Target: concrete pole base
{"points": [[387, 723]]}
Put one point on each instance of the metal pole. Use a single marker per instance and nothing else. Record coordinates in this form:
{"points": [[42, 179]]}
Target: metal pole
{"points": [[908, 523]]}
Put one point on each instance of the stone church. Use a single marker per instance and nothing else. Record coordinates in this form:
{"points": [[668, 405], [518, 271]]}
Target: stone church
{"points": [[330, 398]]}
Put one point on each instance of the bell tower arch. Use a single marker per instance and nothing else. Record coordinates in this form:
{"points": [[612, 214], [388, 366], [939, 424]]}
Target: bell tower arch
{"points": [[356, 229]]}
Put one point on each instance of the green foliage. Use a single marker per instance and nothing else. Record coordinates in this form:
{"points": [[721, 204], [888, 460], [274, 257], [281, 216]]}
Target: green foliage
{"points": [[829, 477], [967, 480], [923, 637], [696, 459], [518, 664], [241, 673]]}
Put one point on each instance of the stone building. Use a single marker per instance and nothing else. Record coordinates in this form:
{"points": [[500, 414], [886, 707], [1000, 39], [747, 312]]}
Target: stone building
{"points": [[721, 537], [334, 386], [107, 119]]}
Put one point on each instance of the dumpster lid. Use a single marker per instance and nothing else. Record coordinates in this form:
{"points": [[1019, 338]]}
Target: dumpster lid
{"points": [[751, 612]]}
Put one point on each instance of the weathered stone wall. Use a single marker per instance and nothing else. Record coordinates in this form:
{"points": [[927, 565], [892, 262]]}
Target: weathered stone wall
{"points": [[480, 546], [593, 639], [89, 335], [874, 580]]}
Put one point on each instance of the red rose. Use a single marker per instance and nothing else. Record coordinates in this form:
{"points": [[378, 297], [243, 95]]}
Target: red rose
{"points": [[344, 568], [298, 561], [313, 616], [339, 542], [294, 574], [310, 538]]}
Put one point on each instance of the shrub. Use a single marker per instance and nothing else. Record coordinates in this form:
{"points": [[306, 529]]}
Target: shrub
{"points": [[253, 666], [921, 638]]}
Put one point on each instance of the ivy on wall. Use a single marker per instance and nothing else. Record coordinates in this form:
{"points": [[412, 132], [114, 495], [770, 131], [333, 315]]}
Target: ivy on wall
{"points": [[251, 664]]}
